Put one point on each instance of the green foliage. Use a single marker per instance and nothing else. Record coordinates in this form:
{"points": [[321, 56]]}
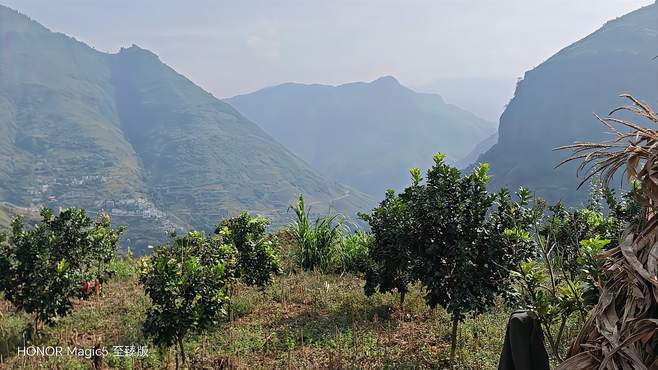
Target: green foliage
{"points": [[447, 234], [464, 257], [327, 245], [316, 243], [561, 279], [391, 255], [352, 255], [257, 259], [591, 260], [44, 268], [187, 282]]}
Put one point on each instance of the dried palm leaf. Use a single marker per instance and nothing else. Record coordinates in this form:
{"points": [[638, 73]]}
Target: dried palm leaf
{"points": [[622, 330]]}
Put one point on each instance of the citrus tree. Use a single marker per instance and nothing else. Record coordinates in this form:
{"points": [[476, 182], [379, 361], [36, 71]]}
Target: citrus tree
{"points": [[43, 268], [453, 236], [187, 281], [391, 255], [464, 256], [257, 259]]}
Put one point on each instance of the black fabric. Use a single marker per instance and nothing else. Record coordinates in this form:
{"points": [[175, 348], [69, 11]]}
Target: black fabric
{"points": [[524, 345]]}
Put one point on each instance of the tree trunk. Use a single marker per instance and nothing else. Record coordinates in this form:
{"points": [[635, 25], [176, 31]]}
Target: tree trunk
{"points": [[453, 346], [182, 350]]}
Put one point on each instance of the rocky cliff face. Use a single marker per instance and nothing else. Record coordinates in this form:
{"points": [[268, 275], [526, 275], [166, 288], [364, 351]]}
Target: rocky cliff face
{"points": [[554, 103]]}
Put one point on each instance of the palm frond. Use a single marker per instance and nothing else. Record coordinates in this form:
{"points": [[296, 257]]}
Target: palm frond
{"points": [[622, 331]]}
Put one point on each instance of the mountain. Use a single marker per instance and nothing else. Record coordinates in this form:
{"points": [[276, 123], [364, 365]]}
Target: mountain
{"points": [[479, 149], [485, 97], [366, 135], [125, 133], [554, 104]]}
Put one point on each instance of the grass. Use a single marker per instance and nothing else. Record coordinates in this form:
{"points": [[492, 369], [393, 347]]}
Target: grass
{"points": [[304, 320]]}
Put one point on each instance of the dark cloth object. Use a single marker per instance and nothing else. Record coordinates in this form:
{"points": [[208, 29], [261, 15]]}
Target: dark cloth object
{"points": [[524, 344]]}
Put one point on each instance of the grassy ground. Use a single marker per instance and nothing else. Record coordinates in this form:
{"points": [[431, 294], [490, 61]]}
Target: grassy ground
{"points": [[304, 320]]}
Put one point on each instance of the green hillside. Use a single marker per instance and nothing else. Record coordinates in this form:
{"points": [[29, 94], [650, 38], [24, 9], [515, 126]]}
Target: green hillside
{"points": [[554, 103], [366, 135], [125, 133]]}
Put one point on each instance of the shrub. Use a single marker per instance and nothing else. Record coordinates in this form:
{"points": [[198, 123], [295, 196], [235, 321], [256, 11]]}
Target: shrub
{"points": [[43, 268], [187, 282], [257, 260], [562, 281], [464, 258], [352, 255], [446, 234], [390, 254]]}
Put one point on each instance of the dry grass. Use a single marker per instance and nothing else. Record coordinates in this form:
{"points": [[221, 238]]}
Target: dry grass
{"points": [[303, 321]]}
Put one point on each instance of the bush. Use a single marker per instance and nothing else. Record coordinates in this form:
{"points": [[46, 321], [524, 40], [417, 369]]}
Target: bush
{"points": [[257, 260], [390, 255], [562, 281], [353, 253], [44, 268], [446, 234], [187, 282]]}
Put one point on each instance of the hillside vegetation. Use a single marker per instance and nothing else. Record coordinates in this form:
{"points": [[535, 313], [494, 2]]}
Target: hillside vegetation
{"points": [[126, 133]]}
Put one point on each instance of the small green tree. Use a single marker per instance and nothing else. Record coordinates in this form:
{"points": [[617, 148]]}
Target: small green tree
{"points": [[447, 234], [43, 268], [187, 282], [257, 259], [456, 264], [391, 255]]}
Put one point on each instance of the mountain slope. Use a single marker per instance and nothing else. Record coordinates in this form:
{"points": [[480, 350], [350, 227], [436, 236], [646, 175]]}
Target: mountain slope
{"points": [[553, 104], [485, 97], [479, 149], [125, 133], [366, 135]]}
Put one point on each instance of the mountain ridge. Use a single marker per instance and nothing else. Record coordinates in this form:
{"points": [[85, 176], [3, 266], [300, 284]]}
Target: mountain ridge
{"points": [[554, 104], [126, 133], [364, 134]]}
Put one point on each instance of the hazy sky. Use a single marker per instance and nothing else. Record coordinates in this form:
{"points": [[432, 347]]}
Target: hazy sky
{"points": [[231, 47]]}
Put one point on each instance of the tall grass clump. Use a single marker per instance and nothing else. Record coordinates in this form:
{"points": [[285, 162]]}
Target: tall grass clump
{"points": [[325, 244]]}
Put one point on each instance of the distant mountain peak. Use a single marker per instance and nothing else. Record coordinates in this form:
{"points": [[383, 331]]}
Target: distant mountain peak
{"points": [[553, 105], [386, 80], [381, 128], [136, 50]]}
